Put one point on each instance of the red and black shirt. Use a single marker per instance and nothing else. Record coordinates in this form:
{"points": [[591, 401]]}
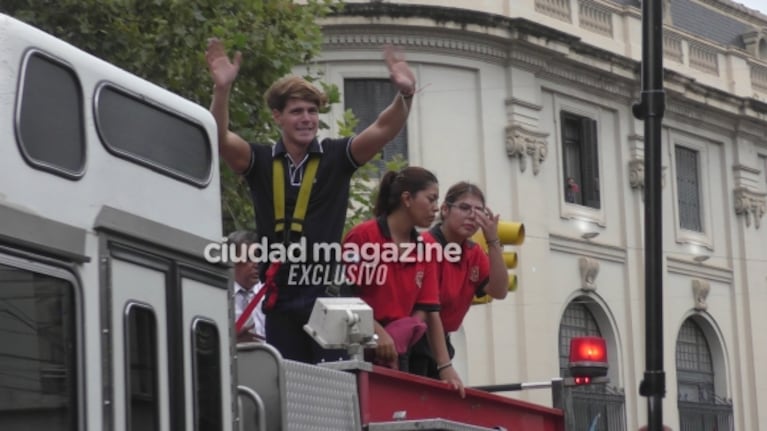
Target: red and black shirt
{"points": [[459, 281], [394, 289]]}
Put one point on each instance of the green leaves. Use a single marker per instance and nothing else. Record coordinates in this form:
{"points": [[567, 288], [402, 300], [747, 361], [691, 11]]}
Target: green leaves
{"points": [[364, 187], [163, 41]]}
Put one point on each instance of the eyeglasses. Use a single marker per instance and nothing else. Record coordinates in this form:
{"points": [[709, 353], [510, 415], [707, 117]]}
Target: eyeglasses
{"points": [[467, 209]]}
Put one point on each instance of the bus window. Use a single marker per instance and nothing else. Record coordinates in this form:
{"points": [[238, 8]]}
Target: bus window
{"points": [[50, 126], [207, 376], [141, 355], [151, 135], [38, 371]]}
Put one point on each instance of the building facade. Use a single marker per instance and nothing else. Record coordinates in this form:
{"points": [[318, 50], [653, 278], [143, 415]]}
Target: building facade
{"points": [[531, 100]]}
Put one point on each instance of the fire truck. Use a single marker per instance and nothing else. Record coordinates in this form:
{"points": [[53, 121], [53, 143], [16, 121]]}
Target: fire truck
{"points": [[110, 316]]}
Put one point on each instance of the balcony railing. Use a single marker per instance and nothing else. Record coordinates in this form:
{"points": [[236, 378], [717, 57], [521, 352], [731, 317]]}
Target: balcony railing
{"points": [[599, 408], [759, 77], [595, 18], [559, 9], [705, 416]]}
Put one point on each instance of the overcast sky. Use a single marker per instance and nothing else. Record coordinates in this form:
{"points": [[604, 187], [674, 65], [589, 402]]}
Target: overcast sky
{"points": [[760, 5]]}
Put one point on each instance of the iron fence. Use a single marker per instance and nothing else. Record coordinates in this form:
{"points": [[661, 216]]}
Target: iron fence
{"points": [[598, 408], [695, 416]]}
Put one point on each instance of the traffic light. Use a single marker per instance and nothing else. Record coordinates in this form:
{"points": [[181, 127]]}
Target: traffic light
{"points": [[588, 361], [510, 233]]}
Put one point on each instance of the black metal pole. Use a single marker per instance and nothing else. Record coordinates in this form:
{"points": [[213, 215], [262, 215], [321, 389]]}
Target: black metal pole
{"points": [[650, 109]]}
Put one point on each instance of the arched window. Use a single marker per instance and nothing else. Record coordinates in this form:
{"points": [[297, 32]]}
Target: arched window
{"points": [[577, 321], [695, 373], [598, 407], [700, 408]]}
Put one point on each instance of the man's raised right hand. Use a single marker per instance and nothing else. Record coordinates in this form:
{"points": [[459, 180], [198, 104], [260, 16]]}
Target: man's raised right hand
{"points": [[222, 69]]}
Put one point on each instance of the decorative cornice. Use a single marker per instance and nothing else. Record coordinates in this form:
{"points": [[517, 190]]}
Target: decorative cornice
{"points": [[527, 57], [593, 80], [435, 40], [747, 169], [523, 43], [700, 289], [684, 110], [513, 101], [585, 248], [750, 204], [485, 48], [589, 268], [700, 114], [684, 267], [521, 142]]}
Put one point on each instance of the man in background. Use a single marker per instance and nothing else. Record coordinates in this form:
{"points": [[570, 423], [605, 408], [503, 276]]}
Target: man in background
{"points": [[246, 287]]}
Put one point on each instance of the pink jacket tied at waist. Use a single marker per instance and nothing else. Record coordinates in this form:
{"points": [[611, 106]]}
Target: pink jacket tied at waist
{"points": [[405, 332]]}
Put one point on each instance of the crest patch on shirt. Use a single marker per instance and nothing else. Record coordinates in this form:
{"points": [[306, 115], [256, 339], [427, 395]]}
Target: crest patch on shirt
{"points": [[419, 278], [474, 274]]}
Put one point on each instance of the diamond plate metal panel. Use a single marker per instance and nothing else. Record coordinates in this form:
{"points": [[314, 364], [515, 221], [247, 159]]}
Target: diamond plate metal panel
{"points": [[320, 399]]}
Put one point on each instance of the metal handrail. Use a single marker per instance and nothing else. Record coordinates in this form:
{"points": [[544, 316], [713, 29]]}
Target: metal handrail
{"points": [[260, 409]]}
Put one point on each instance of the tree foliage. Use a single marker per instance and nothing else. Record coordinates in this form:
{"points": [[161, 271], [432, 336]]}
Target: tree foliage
{"points": [[163, 41]]}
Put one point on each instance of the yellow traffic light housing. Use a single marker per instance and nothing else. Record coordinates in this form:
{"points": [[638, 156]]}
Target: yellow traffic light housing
{"points": [[509, 233], [510, 259]]}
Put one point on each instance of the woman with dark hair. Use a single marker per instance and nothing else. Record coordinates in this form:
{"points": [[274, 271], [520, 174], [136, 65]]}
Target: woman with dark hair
{"points": [[390, 271], [476, 273]]}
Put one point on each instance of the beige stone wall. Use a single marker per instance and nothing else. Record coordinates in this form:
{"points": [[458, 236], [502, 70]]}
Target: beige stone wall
{"points": [[489, 113]]}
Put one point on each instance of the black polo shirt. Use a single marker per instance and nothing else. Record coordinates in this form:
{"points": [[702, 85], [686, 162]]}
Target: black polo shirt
{"points": [[325, 215]]}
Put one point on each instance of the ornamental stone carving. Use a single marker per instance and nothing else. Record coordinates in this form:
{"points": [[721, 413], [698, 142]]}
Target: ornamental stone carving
{"points": [[636, 174], [589, 269], [521, 142], [754, 42], [749, 204], [700, 289]]}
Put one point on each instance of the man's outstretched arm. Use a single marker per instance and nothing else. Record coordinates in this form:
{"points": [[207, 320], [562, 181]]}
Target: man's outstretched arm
{"points": [[232, 148], [389, 122]]}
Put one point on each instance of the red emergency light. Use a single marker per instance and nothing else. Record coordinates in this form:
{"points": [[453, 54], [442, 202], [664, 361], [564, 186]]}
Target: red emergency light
{"points": [[588, 357], [581, 380]]}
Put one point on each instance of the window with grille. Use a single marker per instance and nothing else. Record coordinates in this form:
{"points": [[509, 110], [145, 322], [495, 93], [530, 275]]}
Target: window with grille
{"points": [[700, 408], [580, 160], [695, 372], [688, 188], [367, 98], [577, 321], [597, 407]]}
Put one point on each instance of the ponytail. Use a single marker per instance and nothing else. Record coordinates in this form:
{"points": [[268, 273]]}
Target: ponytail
{"points": [[383, 204], [412, 179]]}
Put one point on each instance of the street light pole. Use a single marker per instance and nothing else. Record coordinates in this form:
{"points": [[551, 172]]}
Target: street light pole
{"points": [[650, 109]]}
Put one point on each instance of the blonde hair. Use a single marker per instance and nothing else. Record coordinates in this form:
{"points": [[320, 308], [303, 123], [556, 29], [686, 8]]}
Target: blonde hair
{"points": [[293, 87]]}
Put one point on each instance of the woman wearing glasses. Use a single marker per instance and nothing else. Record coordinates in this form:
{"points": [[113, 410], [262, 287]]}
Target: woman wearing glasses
{"points": [[477, 273]]}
